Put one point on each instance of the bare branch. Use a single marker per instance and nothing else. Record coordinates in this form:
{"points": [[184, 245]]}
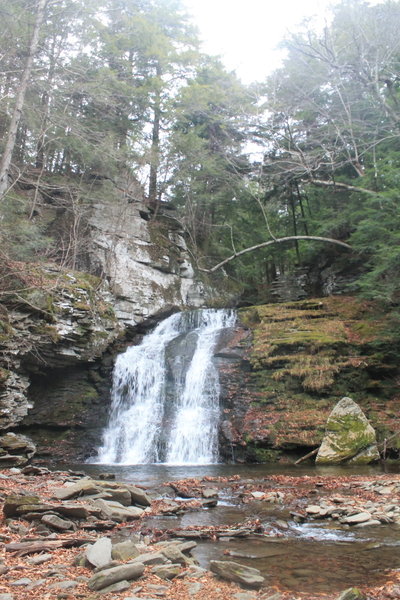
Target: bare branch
{"points": [[344, 186], [311, 238]]}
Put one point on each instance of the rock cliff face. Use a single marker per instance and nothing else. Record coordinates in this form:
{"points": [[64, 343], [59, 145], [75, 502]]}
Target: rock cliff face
{"points": [[287, 365], [146, 263], [62, 323]]}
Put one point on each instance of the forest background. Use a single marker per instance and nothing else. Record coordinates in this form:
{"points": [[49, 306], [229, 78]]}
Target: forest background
{"points": [[118, 91]]}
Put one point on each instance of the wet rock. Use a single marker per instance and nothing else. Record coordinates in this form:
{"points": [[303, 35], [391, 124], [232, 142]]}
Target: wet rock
{"points": [[209, 503], [108, 577], [371, 523], [232, 571], [210, 493], [351, 594], [106, 476], [360, 517], [349, 436], [99, 553]]}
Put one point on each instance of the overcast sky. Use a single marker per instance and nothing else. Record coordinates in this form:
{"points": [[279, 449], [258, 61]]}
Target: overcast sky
{"points": [[246, 32]]}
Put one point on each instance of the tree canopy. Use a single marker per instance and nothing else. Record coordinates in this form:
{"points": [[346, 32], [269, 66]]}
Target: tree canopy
{"points": [[99, 88]]}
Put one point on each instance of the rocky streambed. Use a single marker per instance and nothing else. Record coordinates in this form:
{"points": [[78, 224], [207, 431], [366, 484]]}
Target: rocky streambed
{"points": [[280, 537]]}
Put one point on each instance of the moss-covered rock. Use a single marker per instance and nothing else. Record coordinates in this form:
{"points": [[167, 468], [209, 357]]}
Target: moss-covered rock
{"points": [[349, 436]]}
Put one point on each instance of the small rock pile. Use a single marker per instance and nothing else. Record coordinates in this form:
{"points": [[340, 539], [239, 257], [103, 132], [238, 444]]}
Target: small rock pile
{"points": [[359, 512]]}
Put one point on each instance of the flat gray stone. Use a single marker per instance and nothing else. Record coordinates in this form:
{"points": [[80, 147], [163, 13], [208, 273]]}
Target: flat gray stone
{"points": [[82, 487], [6, 597], [108, 577], [57, 523], [99, 553], [313, 509], [73, 511], [63, 585], [120, 586], [116, 512], [233, 571], [360, 517], [39, 560], [150, 558], [21, 582]]}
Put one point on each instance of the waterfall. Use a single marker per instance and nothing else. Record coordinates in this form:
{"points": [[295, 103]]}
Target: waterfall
{"points": [[165, 394]]}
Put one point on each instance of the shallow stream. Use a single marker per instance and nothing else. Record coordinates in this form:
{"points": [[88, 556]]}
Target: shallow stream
{"points": [[318, 557]]}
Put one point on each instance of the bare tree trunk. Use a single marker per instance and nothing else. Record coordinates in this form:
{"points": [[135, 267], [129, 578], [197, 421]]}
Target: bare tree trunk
{"points": [[155, 147], [19, 101]]}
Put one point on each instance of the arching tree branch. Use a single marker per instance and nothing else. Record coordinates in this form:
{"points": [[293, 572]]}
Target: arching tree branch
{"points": [[344, 186], [291, 238]]}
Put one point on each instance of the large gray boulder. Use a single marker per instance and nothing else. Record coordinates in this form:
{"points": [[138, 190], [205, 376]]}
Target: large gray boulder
{"points": [[349, 437], [99, 553]]}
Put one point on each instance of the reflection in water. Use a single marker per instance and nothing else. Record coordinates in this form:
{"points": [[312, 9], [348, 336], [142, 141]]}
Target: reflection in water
{"points": [[315, 558]]}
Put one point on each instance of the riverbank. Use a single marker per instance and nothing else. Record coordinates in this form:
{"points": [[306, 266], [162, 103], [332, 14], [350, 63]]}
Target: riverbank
{"points": [[44, 543]]}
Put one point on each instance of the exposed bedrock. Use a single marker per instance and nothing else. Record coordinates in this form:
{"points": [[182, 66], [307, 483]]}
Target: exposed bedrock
{"points": [[287, 365]]}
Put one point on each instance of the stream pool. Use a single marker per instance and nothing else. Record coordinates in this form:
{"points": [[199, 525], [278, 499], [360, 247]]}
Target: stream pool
{"points": [[317, 557]]}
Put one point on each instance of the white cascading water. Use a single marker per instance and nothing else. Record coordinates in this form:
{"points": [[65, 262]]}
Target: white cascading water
{"points": [[138, 404]]}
